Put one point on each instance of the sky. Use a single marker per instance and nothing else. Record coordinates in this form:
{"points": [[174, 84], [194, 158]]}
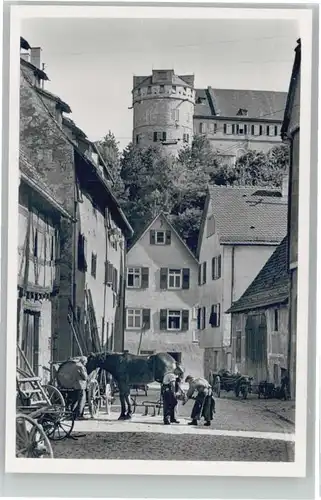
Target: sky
{"points": [[91, 62]]}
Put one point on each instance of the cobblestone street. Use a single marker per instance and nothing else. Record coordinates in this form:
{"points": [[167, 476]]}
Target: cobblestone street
{"points": [[241, 431]]}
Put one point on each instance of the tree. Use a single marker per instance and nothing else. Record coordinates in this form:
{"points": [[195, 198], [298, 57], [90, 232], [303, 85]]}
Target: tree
{"points": [[109, 150], [256, 168]]}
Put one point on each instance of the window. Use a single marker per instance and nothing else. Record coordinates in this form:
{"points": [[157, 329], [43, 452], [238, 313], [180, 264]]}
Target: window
{"points": [[174, 88], [238, 346], [276, 320], [134, 277], [134, 318], [155, 137], [174, 319], [52, 248], [260, 130], [186, 138], [204, 273], [275, 130], [109, 273], [201, 316], [212, 128], [160, 237], [93, 265], [215, 315], [201, 128], [216, 267], [164, 136], [268, 130], [210, 230], [137, 139], [35, 244], [82, 253], [175, 278], [252, 129]]}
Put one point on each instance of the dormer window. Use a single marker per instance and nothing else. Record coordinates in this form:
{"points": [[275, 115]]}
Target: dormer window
{"points": [[160, 237], [242, 112]]}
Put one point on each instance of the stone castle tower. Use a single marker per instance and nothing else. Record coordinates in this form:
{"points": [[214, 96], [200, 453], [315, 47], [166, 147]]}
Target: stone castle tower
{"points": [[163, 105]]}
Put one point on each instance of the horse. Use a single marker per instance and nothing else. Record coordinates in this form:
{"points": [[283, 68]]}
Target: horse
{"points": [[128, 369]]}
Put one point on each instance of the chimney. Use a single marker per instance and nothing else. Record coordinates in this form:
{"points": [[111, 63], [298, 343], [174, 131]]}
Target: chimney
{"points": [[285, 185], [24, 56], [35, 56]]}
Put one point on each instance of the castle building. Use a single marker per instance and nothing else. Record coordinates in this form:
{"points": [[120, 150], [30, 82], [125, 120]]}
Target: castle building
{"points": [[163, 105], [169, 110]]}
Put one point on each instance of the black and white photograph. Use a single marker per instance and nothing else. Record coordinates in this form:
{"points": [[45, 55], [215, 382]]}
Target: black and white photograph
{"points": [[160, 239]]}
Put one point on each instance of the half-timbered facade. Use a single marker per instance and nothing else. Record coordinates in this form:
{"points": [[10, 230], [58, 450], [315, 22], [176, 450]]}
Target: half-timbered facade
{"points": [[39, 235]]}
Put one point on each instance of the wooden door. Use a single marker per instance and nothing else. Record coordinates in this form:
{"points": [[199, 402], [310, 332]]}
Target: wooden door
{"points": [[256, 346], [29, 342]]}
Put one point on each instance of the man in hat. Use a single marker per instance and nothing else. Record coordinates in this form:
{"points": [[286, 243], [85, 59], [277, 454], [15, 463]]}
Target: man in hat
{"points": [[204, 405], [170, 390], [80, 386]]}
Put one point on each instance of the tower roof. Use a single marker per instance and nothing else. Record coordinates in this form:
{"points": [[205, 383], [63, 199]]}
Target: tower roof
{"points": [[163, 77]]}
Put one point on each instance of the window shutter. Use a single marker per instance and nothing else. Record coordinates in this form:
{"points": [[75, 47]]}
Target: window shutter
{"points": [[199, 318], [163, 319], [213, 268], [145, 277], [168, 237], [219, 266], [155, 137], [185, 320], [218, 315], [200, 274], [106, 272], [110, 273], [164, 136], [116, 281], [163, 278], [204, 318], [146, 318], [185, 284], [212, 320], [152, 237]]}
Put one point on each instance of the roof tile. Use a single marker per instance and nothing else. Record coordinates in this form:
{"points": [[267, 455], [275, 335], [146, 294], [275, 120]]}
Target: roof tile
{"points": [[241, 216], [265, 104]]}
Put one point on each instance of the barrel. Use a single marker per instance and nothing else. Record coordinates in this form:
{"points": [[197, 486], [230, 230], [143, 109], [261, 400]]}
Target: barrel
{"points": [[67, 375]]}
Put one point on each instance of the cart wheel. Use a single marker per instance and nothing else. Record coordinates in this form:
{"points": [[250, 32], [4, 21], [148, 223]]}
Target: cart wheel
{"points": [[31, 440], [55, 396], [94, 398], [58, 427]]}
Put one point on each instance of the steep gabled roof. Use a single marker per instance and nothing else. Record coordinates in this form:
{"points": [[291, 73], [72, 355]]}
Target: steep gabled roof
{"points": [[149, 225], [271, 285], [248, 215], [31, 177], [292, 87], [265, 104]]}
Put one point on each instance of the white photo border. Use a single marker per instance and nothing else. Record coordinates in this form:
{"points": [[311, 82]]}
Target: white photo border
{"points": [[151, 467]]}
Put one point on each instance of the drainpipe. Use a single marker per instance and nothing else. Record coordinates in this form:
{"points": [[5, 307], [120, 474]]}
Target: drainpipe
{"points": [[105, 280], [73, 270], [232, 285]]}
